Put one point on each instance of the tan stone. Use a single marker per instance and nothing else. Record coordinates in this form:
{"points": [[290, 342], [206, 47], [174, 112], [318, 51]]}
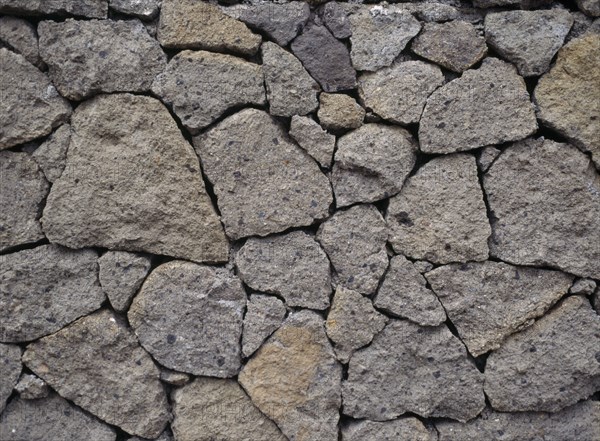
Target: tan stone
{"points": [[339, 112]]}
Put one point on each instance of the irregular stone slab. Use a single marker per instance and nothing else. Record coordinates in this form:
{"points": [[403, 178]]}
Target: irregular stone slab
{"points": [[79, 8], [352, 322], [489, 301], [45, 288], [31, 387], [311, 137], [372, 163], [23, 189], [20, 36], [589, 7], [191, 24], [96, 201], [440, 215], [492, 98], [404, 293], [10, 360], [121, 274], [409, 368], [51, 155], [263, 316], [338, 111], [30, 107], [527, 182], [264, 183], [429, 12], [294, 379], [549, 366], [200, 328], [405, 429], [144, 9], [354, 239], [583, 286], [290, 89], [209, 409], [486, 157], [334, 16], [174, 378]]}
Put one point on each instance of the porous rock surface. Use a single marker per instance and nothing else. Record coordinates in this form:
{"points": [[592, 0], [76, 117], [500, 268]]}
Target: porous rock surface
{"points": [[10, 360], [264, 314]]}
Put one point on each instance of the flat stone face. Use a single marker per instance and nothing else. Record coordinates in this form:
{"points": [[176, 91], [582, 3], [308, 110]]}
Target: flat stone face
{"points": [[334, 17], [263, 316], [492, 98], [405, 429], [545, 197], [338, 111], [200, 311], [80, 8], [209, 409], [549, 366], [121, 274], [440, 215], [51, 155], [311, 137], [409, 368], [489, 301], [264, 183], [10, 360], [354, 240], [144, 9], [110, 163], [45, 288], [20, 35], [294, 379], [200, 86], [372, 163], [119, 384]]}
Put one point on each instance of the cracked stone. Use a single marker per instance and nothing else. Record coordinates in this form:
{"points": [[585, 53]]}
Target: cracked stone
{"points": [[143, 9], [165, 436], [334, 17], [21, 36], [31, 387], [429, 12], [51, 155], [338, 111], [311, 137], [405, 429], [583, 286], [10, 360], [78, 8], [589, 7], [264, 315], [486, 157]]}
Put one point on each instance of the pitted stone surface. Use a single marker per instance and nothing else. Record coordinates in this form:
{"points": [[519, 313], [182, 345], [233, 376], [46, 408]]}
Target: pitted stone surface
{"points": [[51, 156], [335, 18], [144, 9], [311, 137], [264, 315], [338, 111], [79, 8], [21, 37], [10, 361], [31, 387], [121, 274], [405, 429]]}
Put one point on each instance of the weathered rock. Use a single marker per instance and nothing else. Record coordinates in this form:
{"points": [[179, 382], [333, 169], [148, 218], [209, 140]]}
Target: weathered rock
{"points": [[583, 286], [589, 7], [311, 137], [493, 99], [429, 12], [51, 155], [78, 8], [549, 366], [596, 301], [581, 24], [338, 111], [492, 3], [89, 57], [209, 409], [294, 379], [440, 215], [30, 106], [31, 387], [165, 436], [175, 378], [486, 157], [409, 368], [372, 163], [111, 162], [121, 274], [20, 36], [290, 89], [200, 326], [10, 360], [354, 239], [264, 183], [545, 197], [263, 316], [144, 9], [405, 429], [422, 266], [334, 17]]}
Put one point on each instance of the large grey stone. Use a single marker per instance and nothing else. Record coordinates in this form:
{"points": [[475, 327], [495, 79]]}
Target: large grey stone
{"points": [[144, 9], [10, 363], [338, 111], [121, 274], [51, 155], [405, 429], [21, 37], [79, 8], [311, 137], [263, 316]]}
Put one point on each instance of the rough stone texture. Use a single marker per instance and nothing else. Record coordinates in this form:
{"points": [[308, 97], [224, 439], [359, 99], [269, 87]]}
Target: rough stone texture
{"points": [[489, 301], [264, 183], [583, 286], [486, 157], [51, 155], [31, 387], [79, 8], [198, 100], [429, 12], [89, 57], [354, 239], [44, 289], [334, 17], [440, 215], [20, 36], [311, 137], [23, 188], [549, 366], [338, 111], [294, 379], [416, 369], [263, 316], [455, 45], [493, 99], [404, 293], [119, 384], [121, 274], [589, 7], [191, 24], [290, 89], [10, 363], [405, 429], [545, 197], [173, 377], [30, 106], [144, 9], [165, 436], [110, 163], [210, 409], [200, 311], [529, 39], [581, 24], [352, 322]]}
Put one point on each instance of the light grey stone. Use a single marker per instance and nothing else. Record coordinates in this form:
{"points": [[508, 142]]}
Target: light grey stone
{"points": [[174, 378], [78, 8], [338, 111], [486, 157], [405, 429], [144, 9], [334, 17], [583, 286], [31, 387], [264, 315], [311, 137], [422, 266], [51, 155], [10, 360], [21, 37], [589, 7], [432, 12]]}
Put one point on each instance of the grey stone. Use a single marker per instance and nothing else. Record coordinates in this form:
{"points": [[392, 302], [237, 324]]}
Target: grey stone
{"points": [[23, 189], [30, 107], [405, 429], [433, 11], [174, 378], [581, 24], [545, 197], [264, 315], [372, 163], [491, 3], [45, 288], [409, 368], [10, 361], [422, 266], [78, 8], [264, 183], [311, 137], [596, 301], [354, 239], [440, 215], [294, 379], [144, 9], [119, 383], [198, 100], [583, 286], [589, 7], [290, 89], [493, 99], [89, 57], [334, 17], [338, 111], [489, 301], [31, 387], [20, 36], [209, 409], [51, 155], [165, 436], [404, 293], [549, 366], [121, 274], [111, 162], [486, 157]]}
